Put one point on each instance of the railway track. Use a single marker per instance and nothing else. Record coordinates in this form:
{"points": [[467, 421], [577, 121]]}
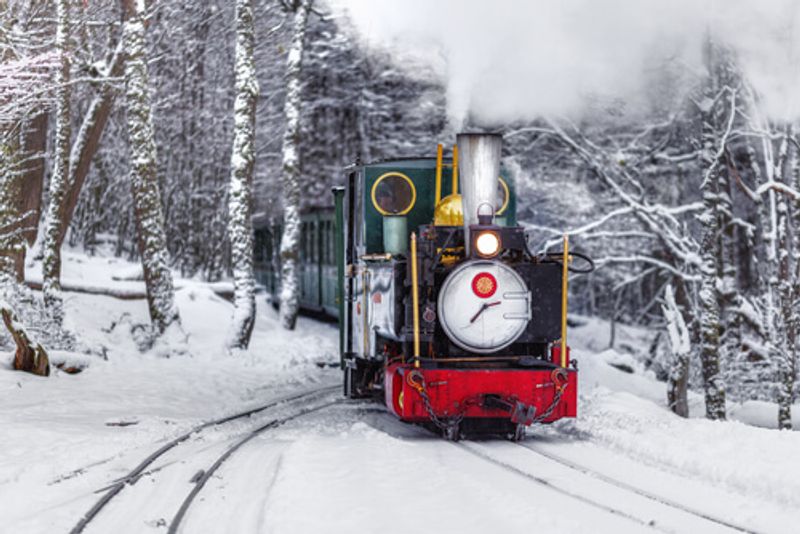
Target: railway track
{"points": [[476, 451], [640, 503], [112, 491], [551, 480], [388, 424], [629, 487]]}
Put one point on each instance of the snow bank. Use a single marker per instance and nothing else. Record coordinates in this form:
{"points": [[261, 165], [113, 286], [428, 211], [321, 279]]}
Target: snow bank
{"points": [[626, 413], [67, 435]]}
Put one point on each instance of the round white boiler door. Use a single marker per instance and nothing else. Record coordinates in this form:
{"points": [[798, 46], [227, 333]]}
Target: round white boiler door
{"points": [[484, 306]]}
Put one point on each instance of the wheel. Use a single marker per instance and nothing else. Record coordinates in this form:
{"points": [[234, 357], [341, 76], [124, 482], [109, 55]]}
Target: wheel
{"points": [[518, 433], [347, 382], [357, 377], [351, 379], [452, 432]]}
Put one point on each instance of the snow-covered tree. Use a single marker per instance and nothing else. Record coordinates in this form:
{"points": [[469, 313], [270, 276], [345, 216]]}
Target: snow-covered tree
{"points": [[51, 266], [240, 228], [147, 207], [681, 347], [290, 240], [27, 66], [715, 128]]}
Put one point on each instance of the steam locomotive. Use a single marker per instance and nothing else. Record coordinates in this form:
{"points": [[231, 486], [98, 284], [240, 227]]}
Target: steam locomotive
{"points": [[443, 311]]}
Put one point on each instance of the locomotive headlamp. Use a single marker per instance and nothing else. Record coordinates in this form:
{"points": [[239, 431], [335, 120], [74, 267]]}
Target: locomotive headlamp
{"points": [[487, 244]]}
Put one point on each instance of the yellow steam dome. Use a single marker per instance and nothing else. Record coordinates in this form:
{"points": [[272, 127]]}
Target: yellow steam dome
{"points": [[449, 211]]}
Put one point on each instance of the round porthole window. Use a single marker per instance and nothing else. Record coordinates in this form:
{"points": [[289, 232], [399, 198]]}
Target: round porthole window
{"points": [[502, 196], [393, 193]]}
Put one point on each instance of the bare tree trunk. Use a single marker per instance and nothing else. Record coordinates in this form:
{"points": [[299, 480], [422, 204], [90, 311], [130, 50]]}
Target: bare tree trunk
{"points": [[147, 208], [290, 241], [27, 357], [11, 243], [783, 288], [709, 303], [87, 140], [34, 145], [51, 266], [680, 345], [240, 227], [728, 290]]}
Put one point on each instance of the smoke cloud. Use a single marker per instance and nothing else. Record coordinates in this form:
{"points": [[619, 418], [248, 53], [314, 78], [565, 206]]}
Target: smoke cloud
{"points": [[506, 60]]}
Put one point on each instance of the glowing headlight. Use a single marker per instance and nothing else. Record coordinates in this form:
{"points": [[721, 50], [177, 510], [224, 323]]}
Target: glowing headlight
{"points": [[487, 244]]}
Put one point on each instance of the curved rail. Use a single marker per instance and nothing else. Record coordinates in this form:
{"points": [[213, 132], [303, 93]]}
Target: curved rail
{"points": [[549, 485], [139, 470], [201, 482], [638, 491], [422, 431]]}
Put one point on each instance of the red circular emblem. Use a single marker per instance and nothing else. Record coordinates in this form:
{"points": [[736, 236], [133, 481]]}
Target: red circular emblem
{"points": [[484, 285]]}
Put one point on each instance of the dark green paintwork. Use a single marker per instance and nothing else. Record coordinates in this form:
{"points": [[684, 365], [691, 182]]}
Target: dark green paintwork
{"points": [[322, 245], [423, 173], [338, 198]]}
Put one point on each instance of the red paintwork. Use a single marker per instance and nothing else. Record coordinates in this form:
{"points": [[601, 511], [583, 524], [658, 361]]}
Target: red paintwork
{"points": [[485, 294], [555, 355], [448, 388]]}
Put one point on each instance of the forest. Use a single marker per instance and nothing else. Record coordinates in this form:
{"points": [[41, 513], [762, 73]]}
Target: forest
{"points": [[159, 129]]}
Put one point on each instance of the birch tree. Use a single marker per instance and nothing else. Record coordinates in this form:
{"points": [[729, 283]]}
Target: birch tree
{"points": [[10, 216], [785, 288], [240, 228], [717, 110], [27, 65], [681, 346], [146, 193], [290, 240], [51, 265]]}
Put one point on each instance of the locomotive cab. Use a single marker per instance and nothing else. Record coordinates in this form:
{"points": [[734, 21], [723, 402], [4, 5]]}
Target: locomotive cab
{"points": [[445, 313]]}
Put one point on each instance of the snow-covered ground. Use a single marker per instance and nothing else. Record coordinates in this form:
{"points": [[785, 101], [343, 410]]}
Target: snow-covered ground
{"points": [[625, 465]]}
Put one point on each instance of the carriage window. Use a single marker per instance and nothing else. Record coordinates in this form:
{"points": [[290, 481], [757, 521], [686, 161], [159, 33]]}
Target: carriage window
{"points": [[314, 242], [502, 196], [309, 242], [303, 239], [326, 240], [331, 244], [259, 246], [393, 194]]}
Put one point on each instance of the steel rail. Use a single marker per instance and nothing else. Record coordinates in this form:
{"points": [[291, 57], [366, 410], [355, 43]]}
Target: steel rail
{"points": [[134, 474], [546, 483], [422, 431], [638, 491], [208, 473]]}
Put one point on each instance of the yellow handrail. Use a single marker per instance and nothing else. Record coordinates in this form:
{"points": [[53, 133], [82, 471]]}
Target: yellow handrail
{"points": [[438, 174], [415, 296], [564, 287]]}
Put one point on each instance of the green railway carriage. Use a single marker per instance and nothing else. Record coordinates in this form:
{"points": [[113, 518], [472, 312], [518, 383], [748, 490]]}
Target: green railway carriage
{"points": [[318, 273]]}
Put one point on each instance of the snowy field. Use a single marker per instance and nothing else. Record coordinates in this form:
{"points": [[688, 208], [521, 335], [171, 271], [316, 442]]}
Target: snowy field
{"points": [[626, 464]]}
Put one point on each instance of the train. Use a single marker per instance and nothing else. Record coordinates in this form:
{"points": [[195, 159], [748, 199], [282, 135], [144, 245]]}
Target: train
{"points": [[445, 315]]}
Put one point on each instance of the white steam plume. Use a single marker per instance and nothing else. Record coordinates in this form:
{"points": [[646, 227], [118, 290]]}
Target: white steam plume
{"points": [[505, 60]]}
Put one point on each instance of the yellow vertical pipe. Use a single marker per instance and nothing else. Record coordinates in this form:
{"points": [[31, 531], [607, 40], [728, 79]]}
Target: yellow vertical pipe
{"points": [[415, 296], [455, 169], [439, 151], [564, 279]]}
